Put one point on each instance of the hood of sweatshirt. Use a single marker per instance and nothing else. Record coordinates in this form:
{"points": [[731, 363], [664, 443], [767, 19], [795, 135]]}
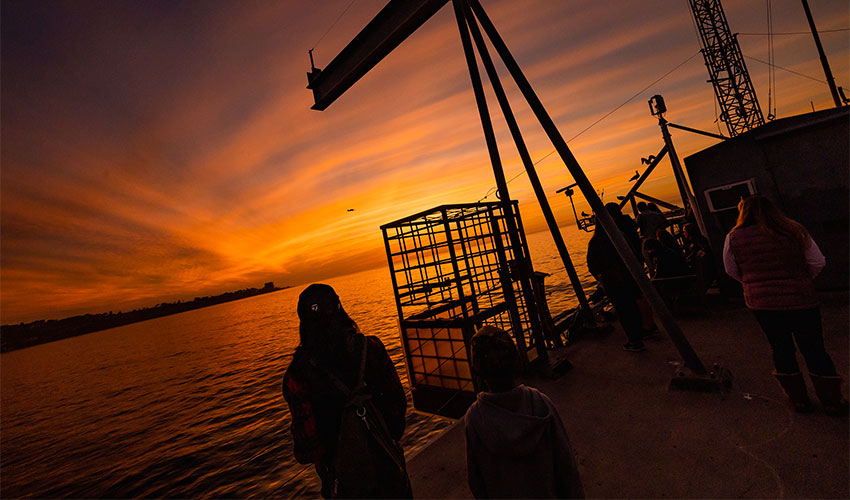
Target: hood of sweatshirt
{"points": [[515, 420]]}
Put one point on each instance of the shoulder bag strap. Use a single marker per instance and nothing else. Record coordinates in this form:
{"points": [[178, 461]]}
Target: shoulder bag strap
{"points": [[339, 384]]}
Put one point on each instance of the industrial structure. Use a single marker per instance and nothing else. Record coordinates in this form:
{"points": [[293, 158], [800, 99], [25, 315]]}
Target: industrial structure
{"points": [[398, 20], [454, 269], [739, 106]]}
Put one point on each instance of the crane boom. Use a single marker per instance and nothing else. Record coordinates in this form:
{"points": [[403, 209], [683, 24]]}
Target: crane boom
{"points": [[739, 106], [393, 24]]}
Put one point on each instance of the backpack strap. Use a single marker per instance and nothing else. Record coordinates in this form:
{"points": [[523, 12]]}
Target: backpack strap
{"points": [[361, 378], [339, 384]]}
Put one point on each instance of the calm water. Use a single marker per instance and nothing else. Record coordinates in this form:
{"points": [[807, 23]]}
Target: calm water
{"points": [[190, 405]]}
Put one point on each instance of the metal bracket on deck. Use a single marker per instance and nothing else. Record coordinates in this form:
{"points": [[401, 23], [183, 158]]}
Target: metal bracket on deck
{"points": [[718, 379]]}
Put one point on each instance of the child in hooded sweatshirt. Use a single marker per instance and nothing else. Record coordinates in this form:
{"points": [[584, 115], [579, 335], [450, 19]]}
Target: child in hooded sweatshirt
{"points": [[516, 444]]}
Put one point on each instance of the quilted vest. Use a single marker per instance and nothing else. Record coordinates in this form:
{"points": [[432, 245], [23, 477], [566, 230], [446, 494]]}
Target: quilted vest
{"points": [[775, 275]]}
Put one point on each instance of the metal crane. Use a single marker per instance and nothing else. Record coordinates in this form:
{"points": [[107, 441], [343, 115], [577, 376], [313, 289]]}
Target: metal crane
{"points": [[739, 106]]}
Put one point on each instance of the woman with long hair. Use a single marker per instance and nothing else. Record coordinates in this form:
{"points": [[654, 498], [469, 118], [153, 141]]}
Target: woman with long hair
{"points": [[333, 361], [775, 259]]}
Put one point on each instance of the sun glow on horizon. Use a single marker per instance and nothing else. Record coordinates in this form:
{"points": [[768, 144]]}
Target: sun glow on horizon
{"points": [[151, 162]]}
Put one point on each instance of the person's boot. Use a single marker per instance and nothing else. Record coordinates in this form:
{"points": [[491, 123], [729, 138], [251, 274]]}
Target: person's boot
{"points": [[795, 388], [828, 389]]}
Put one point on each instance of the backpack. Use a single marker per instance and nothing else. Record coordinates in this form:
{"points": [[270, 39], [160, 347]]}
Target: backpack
{"points": [[368, 462]]}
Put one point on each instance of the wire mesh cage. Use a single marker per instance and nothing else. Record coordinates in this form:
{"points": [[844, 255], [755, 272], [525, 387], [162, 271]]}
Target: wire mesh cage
{"points": [[454, 270]]}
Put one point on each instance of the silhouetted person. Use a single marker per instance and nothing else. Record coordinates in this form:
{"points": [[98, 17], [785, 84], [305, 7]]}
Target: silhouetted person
{"points": [[776, 260], [649, 221], [606, 265], [696, 245], [331, 348], [627, 226], [516, 444], [698, 255], [668, 241], [664, 262]]}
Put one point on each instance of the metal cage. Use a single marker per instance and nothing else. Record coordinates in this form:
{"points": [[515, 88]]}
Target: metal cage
{"points": [[454, 270]]}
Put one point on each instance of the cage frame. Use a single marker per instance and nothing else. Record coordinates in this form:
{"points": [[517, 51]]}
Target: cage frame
{"points": [[458, 254]]}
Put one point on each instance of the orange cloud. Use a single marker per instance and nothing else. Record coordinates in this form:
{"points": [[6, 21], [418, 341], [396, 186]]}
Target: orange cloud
{"points": [[182, 159]]}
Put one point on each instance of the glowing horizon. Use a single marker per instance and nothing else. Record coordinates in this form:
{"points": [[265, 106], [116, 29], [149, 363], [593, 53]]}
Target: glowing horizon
{"points": [[162, 151]]}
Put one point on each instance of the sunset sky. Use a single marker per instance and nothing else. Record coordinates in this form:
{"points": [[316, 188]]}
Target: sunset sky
{"points": [[159, 150]]}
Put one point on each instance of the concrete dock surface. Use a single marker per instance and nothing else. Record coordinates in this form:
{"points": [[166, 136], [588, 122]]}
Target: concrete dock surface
{"points": [[635, 438]]}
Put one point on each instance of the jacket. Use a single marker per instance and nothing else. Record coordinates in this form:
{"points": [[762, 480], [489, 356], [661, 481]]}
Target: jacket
{"points": [[517, 447], [775, 275], [316, 405]]}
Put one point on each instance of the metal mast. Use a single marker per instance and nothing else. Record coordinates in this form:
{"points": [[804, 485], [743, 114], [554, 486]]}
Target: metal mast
{"points": [[739, 105]]}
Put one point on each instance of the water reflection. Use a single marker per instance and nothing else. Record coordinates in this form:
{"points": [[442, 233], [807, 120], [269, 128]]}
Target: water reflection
{"points": [[190, 405]]}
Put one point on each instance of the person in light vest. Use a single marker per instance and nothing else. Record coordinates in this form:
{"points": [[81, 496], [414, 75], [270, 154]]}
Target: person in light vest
{"points": [[776, 260]]}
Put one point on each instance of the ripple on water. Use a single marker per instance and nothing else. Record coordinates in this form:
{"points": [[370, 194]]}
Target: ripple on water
{"points": [[186, 405]]}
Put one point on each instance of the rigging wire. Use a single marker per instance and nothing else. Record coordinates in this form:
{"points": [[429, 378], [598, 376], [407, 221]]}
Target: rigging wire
{"points": [[606, 115], [786, 69], [716, 117], [333, 24], [795, 32]]}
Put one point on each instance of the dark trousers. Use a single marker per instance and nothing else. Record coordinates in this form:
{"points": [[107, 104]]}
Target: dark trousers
{"points": [[627, 309], [784, 327]]}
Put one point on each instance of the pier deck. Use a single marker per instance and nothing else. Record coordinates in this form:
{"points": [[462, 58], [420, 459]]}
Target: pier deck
{"points": [[634, 438]]}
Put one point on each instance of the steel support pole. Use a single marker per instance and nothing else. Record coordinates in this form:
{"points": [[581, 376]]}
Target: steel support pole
{"points": [[823, 61], [499, 173], [681, 183], [687, 195], [507, 112], [697, 131], [689, 356]]}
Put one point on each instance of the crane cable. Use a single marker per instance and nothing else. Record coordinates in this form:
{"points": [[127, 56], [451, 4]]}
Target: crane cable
{"points": [[837, 30], [785, 69], [606, 115], [331, 27]]}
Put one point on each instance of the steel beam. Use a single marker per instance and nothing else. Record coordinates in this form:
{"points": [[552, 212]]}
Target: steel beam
{"points": [[522, 149], [391, 26], [502, 185], [830, 80], [603, 218], [697, 131]]}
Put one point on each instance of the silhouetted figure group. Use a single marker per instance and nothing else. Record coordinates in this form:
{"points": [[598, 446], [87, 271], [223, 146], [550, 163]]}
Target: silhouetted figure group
{"points": [[773, 257], [348, 406], [517, 446], [663, 258]]}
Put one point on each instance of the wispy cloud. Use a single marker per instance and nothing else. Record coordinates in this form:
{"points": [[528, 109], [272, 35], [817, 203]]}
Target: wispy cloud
{"points": [[157, 151]]}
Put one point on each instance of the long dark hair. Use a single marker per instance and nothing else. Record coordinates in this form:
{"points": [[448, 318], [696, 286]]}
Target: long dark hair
{"points": [[760, 211], [325, 327]]}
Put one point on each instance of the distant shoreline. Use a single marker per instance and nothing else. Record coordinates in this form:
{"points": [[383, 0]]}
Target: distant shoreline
{"points": [[19, 336]]}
